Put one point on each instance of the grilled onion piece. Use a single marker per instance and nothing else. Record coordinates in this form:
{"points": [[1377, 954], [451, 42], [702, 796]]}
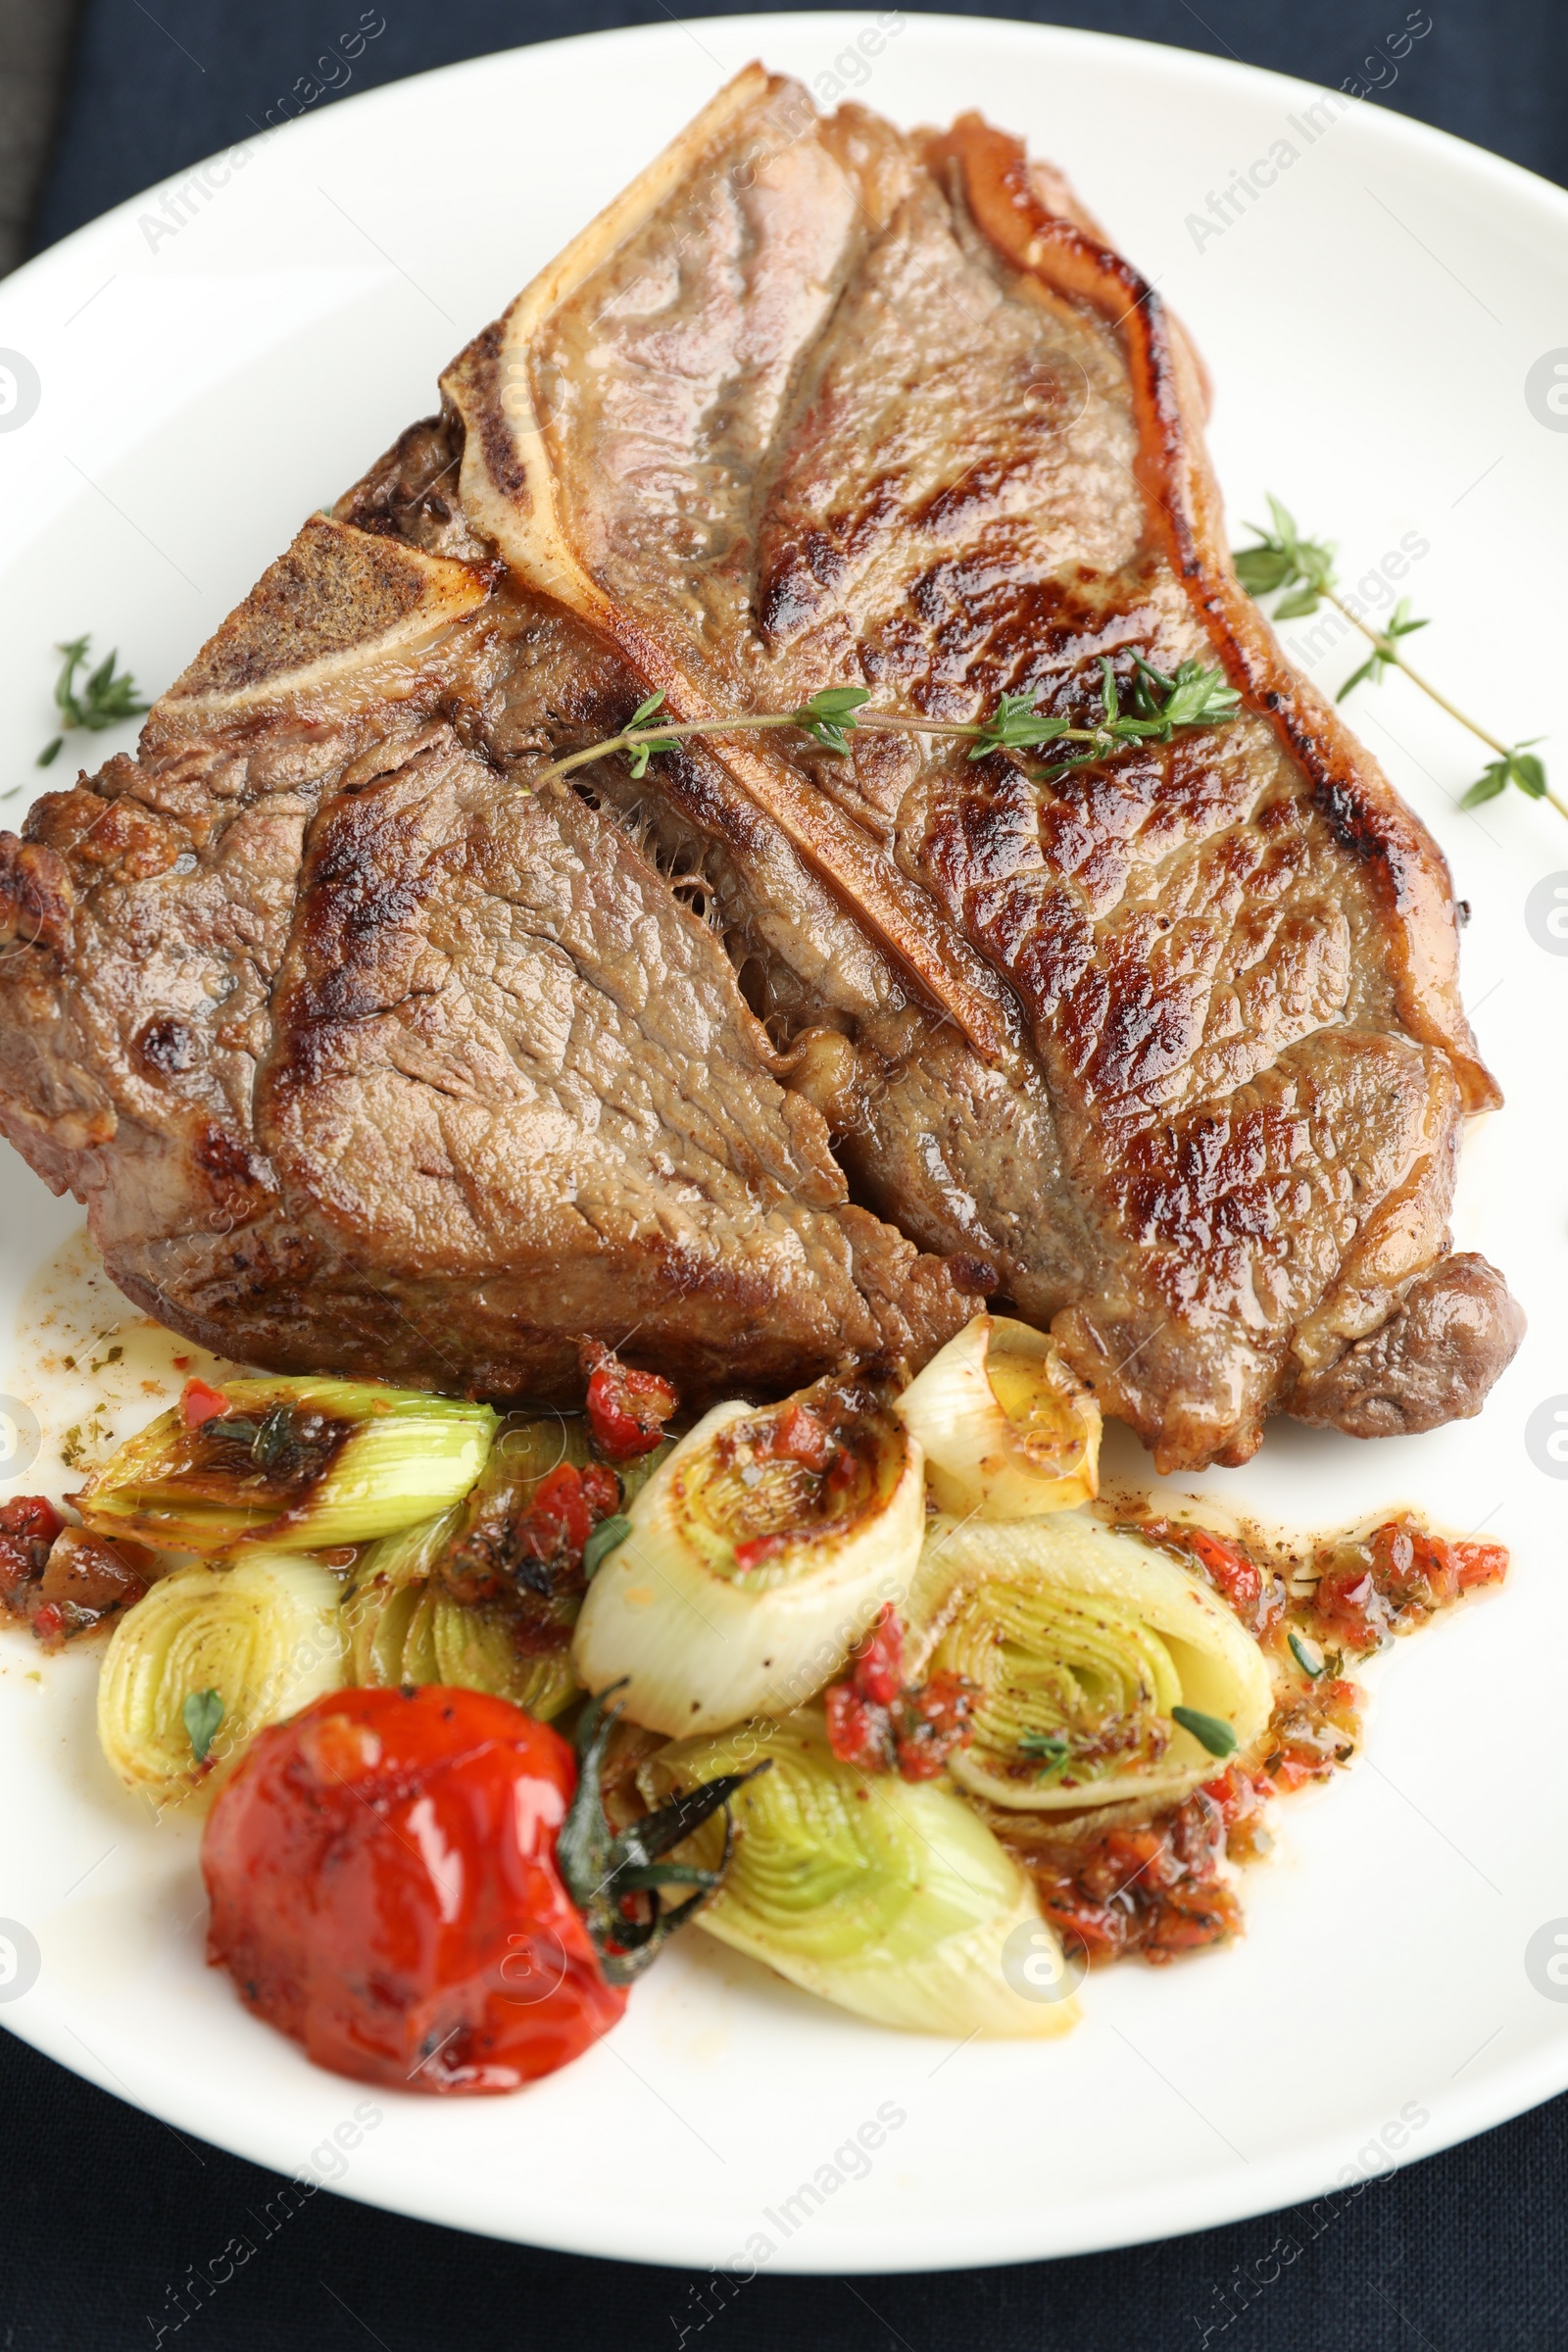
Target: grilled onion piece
{"points": [[1008, 1429], [757, 1554]]}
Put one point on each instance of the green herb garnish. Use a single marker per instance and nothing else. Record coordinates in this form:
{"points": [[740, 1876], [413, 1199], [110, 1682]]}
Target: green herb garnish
{"points": [[1303, 1657], [602, 1541], [830, 716], [103, 700], [202, 1714], [1048, 1751], [1285, 560], [1016, 725], [605, 1872], [1208, 1730], [648, 744], [1192, 697]]}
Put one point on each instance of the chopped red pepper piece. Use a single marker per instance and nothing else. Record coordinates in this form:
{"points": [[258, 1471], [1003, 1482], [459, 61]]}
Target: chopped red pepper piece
{"points": [[1350, 1606], [626, 1409], [759, 1549], [1234, 1577], [49, 1624], [1391, 1580], [28, 1527], [1247, 1585], [600, 1492], [801, 1436], [877, 1671], [932, 1720], [31, 1518], [558, 1519], [1155, 1890], [1235, 1795], [858, 1730], [200, 1404], [1480, 1564], [880, 1722]]}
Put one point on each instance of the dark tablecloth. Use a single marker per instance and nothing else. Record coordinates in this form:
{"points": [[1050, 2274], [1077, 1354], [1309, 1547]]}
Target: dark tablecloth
{"points": [[104, 2210]]}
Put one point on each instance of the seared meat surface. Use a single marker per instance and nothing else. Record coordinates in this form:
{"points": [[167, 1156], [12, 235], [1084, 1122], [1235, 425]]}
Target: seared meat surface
{"points": [[363, 1054]]}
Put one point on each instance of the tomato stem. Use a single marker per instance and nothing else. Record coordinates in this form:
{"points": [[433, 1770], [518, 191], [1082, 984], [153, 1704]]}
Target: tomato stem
{"points": [[601, 1869]]}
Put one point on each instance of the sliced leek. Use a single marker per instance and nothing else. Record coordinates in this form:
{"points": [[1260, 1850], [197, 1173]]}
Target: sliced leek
{"points": [[1082, 1643], [401, 1625], [261, 1637], [299, 1464], [755, 1557], [1008, 1428], [442, 1601], [890, 1898]]}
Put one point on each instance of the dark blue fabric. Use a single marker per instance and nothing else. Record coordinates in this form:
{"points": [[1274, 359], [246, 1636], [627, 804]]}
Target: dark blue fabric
{"points": [[104, 2211], [156, 88]]}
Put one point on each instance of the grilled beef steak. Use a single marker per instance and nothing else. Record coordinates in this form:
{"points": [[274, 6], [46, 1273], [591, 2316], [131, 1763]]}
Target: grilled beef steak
{"points": [[361, 1055]]}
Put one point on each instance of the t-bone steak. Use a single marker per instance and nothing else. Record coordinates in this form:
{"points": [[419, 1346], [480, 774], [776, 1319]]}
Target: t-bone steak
{"points": [[363, 1053]]}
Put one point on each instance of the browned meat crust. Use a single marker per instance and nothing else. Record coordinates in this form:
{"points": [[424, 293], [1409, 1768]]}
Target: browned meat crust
{"points": [[1432, 1361], [361, 1056]]}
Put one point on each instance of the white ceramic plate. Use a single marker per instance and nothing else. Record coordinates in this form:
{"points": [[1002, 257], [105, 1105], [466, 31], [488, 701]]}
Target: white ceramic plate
{"points": [[1370, 320]]}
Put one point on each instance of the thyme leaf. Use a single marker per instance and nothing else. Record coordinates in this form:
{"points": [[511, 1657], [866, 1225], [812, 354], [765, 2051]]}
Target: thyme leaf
{"points": [[1016, 725], [1517, 766], [1044, 1749], [104, 697], [1283, 559], [1383, 655], [643, 751], [829, 715], [1303, 1656], [202, 1714], [1209, 1731], [602, 1542]]}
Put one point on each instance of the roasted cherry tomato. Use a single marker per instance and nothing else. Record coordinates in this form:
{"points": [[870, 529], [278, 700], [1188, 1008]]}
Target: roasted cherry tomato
{"points": [[28, 1526], [383, 1886], [419, 1886]]}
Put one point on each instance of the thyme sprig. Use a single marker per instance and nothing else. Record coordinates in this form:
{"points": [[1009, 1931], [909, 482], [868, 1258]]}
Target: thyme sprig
{"points": [[1285, 558], [105, 697], [1157, 705], [1047, 1751]]}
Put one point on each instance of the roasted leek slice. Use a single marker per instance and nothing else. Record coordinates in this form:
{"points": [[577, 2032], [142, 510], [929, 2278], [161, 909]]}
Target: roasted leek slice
{"points": [[250, 1643], [888, 1897], [1008, 1428], [301, 1465], [754, 1558], [1103, 1670], [478, 1596], [402, 1625]]}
